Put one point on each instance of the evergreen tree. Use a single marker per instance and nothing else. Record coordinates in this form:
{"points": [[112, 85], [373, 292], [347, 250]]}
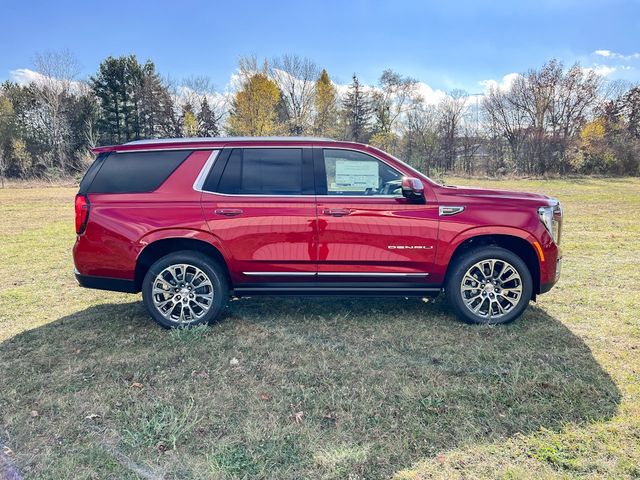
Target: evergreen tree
{"points": [[357, 112], [207, 122], [155, 102], [134, 102], [113, 88], [326, 106]]}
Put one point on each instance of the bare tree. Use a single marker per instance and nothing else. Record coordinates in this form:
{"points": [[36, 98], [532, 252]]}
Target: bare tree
{"points": [[451, 109], [392, 99], [53, 88], [505, 119], [420, 134], [200, 91], [542, 112], [296, 77]]}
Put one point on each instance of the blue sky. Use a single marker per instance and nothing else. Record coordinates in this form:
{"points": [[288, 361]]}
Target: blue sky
{"points": [[446, 44]]}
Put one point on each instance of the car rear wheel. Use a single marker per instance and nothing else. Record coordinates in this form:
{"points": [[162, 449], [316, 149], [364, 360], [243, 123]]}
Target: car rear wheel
{"points": [[183, 289], [489, 285]]}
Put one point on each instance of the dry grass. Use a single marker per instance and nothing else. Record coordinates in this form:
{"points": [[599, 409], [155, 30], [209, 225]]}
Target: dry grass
{"points": [[91, 388]]}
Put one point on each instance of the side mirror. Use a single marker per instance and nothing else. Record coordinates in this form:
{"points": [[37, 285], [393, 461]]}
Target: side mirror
{"points": [[413, 189]]}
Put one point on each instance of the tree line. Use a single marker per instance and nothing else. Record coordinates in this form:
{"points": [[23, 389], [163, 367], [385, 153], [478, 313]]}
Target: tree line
{"points": [[549, 120]]}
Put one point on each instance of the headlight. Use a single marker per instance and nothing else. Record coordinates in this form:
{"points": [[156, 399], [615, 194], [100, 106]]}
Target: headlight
{"points": [[551, 218]]}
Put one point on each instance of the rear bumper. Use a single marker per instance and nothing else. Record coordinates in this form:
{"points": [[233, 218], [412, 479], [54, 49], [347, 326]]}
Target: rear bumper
{"points": [[106, 283]]}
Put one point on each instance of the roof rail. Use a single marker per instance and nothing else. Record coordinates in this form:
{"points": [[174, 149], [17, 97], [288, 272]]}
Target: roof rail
{"points": [[156, 141]]}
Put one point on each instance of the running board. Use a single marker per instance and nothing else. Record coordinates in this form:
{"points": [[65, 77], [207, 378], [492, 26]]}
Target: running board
{"points": [[338, 289]]}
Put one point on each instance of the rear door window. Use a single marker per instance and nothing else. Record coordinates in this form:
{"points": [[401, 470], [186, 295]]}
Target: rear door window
{"points": [[267, 171], [134, 172]]}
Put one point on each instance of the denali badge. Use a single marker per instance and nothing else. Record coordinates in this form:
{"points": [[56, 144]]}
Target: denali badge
{"points": [[409, 247]]}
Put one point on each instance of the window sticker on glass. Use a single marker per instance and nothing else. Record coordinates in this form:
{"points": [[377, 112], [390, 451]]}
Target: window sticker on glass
{"points": [[353, 175]]}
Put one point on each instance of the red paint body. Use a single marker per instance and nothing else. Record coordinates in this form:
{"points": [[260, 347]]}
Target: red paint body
{"points": [[293, 234]]}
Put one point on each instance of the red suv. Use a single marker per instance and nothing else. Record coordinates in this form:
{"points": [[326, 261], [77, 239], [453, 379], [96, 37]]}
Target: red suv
{"points": [[190, 222]]}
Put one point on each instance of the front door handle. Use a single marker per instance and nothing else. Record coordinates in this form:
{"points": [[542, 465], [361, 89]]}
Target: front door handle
{"points": [[228, 212], [336, 212]]}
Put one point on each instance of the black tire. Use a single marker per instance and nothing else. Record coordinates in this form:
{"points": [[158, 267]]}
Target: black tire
{"points": [[209, 267], [456, 276]]}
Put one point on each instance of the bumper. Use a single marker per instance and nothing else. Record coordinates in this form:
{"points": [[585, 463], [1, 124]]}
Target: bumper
{"points": [[548, 285], [106, 283]]}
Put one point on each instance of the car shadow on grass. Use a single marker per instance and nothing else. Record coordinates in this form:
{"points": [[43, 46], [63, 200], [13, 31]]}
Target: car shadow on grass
{"points": [[292, 388]]}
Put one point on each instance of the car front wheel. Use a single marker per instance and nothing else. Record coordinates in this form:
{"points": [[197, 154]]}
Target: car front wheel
{"points": [[489, 285], [185, 288]]}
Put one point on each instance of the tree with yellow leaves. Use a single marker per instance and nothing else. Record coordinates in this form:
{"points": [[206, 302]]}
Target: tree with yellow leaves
{"points": [[189, 122], [254, 107], [326, 106]]}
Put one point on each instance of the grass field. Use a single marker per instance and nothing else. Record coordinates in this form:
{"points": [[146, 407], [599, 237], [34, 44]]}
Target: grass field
{"points": [[313, 388]]}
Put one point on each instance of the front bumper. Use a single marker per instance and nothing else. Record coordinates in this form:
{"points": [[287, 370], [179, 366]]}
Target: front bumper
{"points": [[546, 286]]}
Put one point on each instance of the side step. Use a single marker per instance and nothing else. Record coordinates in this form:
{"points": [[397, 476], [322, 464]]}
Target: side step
{"points": [[357, 289]]}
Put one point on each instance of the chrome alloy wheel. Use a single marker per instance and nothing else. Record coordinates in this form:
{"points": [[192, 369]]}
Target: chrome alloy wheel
{"points": [[182, 293], [491, 288]]}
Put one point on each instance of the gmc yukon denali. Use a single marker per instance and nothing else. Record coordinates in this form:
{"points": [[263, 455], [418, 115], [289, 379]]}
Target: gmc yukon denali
{"points": [[191, 222]]}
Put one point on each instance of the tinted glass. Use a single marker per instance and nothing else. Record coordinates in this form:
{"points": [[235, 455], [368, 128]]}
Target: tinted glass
{"points": [[263, 171], [354, 173], [91, 172], [136, 172]]}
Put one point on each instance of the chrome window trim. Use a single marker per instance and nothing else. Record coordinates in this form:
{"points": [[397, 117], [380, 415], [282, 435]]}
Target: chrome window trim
{"points": [[308, 195], [204, 171]]}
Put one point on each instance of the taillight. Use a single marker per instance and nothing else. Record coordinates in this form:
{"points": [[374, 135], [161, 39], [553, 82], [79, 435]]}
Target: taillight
{"points": [[82, 213]]}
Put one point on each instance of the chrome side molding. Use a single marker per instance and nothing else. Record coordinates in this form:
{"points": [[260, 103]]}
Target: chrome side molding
{"points": [[337, 274]]}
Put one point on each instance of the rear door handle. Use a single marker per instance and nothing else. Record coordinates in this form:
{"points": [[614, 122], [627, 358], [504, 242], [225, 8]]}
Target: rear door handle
{"points": [[228, 212], [336, 212]]}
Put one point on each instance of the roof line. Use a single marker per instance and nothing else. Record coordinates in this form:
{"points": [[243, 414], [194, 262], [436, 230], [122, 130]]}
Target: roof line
{"points": [[157, 141]]}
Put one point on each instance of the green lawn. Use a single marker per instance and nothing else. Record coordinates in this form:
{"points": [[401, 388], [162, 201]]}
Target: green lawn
{"points": [[323, 388]]}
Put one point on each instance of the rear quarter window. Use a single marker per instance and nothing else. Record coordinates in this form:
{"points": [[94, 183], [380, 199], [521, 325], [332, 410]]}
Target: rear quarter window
{"points": [[91, 173], [132, 172]]}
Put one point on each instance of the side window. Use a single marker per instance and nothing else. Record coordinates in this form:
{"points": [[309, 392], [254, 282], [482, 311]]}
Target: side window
{"points": [[135, 172], [354, 173], [266, 171], [93, 169]]}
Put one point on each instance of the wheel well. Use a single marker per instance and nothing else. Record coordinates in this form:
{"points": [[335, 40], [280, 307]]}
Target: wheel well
{"points": [[517, 245], [160, 248]]}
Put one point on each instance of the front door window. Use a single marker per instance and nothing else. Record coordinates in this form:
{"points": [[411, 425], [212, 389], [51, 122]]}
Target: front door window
{"points": [[352, 173]]}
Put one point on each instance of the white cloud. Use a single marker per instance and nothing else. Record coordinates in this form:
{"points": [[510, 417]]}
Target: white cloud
{"points": [[25, 76], [502, 85], [603, 53], [602, 70], [431, 96], [620, 56]]}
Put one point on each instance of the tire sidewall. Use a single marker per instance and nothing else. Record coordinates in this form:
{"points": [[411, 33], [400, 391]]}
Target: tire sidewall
{"points": [[203, 262], [463, 263]]}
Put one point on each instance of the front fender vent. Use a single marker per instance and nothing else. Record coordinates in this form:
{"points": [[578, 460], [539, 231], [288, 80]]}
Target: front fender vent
{"points": [[448, 210]]}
